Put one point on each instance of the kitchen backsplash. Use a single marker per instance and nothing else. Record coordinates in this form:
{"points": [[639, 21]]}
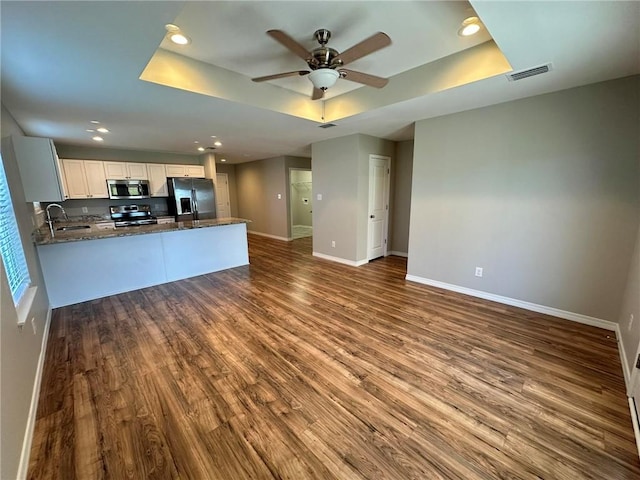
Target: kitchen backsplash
{"points": [[99, 207]]}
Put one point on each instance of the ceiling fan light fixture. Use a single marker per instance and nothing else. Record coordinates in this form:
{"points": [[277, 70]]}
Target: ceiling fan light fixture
{"points": [[470, 26], [324, 78]]}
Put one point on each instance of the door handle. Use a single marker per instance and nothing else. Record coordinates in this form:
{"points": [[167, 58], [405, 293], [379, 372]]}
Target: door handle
{"points": [[372, 216]]}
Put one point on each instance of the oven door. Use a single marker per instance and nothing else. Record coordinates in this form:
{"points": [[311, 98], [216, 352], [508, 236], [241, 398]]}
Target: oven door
{"points": [[127, 189]]}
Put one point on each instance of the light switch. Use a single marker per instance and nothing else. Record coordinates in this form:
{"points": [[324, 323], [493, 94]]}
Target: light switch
{"points": [[319, 196]]}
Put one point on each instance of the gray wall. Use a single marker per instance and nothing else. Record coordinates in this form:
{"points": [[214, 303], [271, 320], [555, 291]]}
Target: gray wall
{"points": [[341, 176], [335, 177], [19, 348], [401, 171], [542, 193], [301, 188], [230, 170], [122, 155], [630, 337], [258, 185]]}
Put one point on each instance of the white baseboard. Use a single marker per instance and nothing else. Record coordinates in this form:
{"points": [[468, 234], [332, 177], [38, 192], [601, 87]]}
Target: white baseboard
{"points": [[534, 307], [344, 261], [623, 360], [398, 254], [33, 409], [275, 237]]}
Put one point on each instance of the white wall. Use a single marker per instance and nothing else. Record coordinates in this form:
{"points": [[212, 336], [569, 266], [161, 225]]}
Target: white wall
{"points": [[543, 193], [19, 348]]}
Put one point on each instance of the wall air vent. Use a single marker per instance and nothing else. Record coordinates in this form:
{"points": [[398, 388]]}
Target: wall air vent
{"points": [[529, 72], [327, 125]]}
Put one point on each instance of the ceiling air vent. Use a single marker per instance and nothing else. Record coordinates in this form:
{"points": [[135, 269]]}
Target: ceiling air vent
{"points": [[327, 125], [530, 72]]}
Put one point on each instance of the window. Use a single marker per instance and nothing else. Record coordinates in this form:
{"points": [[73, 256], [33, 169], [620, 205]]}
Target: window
{"points": [[13, 257]]}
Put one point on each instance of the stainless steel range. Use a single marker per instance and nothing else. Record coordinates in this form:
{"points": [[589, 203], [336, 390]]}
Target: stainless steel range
{"points": [[132, 215]]}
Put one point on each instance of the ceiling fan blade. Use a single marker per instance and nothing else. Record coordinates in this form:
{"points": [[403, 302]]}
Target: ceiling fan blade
{"points": [[317, 94], [290, 43], [281, 75], [373, 43], [364, 78]]}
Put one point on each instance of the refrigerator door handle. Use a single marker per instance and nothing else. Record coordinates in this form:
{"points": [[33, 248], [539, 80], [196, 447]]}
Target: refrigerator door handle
{"points": [[194, 200]]}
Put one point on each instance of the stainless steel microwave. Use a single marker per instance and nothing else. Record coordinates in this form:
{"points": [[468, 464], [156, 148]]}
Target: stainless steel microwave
{"points": [[128, 188]]}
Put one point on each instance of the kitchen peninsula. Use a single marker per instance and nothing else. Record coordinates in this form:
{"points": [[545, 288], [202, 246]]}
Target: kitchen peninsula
{"points": [[85, 264]]}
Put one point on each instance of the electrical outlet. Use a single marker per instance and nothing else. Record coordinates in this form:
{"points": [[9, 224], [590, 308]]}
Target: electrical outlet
{"points": [[279, 196], [85, 210], [33, 325], [333, 244], [478, 271], [630, 322]]}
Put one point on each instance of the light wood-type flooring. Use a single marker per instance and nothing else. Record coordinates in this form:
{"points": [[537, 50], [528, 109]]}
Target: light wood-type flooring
{"points": [[299, 368]]}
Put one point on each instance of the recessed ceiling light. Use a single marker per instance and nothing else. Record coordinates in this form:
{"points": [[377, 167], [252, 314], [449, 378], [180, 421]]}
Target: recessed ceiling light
{"points": [[95, 122], [102, 130], [201, 149], [470, 26], [223, 159], [98, 139], [89, 130], [213, 136], [179, 38], [196, 141], [217, 144], [175, 34]]}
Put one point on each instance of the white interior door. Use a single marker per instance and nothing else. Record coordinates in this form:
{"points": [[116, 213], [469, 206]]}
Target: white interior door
{"points": [[223, 208], [634, 400], [378, 206]]}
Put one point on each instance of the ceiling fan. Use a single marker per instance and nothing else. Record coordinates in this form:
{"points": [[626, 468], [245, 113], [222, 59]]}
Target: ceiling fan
{"points": [[326, 64]]}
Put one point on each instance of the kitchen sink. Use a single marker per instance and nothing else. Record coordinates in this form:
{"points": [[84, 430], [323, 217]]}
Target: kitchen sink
{"points": [[72, 227]]}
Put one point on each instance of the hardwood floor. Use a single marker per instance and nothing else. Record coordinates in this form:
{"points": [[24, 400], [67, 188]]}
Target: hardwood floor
{"points": [[299, 368]]}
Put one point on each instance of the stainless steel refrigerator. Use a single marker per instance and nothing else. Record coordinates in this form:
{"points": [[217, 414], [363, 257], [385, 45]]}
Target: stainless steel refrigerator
{"points": [[191, 198]]}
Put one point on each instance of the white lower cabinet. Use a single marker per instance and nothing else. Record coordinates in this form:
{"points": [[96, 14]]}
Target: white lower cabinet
{"points": [[85, 178]]}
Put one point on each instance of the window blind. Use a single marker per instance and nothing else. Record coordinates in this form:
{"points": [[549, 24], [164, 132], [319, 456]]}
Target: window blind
{"points": [[15, 263]]}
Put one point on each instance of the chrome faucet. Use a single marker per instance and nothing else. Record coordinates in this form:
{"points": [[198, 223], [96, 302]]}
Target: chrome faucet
{"points": [[49, 221]]}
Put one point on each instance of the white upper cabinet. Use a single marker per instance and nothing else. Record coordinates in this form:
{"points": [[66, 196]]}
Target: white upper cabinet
{"points": [[85, 178], [96, 179], [185, 171], [39, 167], [125, 170], [157, 180]]}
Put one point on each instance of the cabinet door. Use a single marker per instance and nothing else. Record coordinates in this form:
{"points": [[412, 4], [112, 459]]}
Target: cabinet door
{"points": [[175, 170], [137, 171], [157, 180], [96, 179], [194, 171], [115, 170], [76, 179], [39, 168]]}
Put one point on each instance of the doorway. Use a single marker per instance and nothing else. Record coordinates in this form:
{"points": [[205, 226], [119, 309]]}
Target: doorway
{"points": [[223, 207], [634, 400], [378, 221], [301, 203]]}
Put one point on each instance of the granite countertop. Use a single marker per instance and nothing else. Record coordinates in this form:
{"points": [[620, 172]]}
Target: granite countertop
{"points": [[42, 236]]}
